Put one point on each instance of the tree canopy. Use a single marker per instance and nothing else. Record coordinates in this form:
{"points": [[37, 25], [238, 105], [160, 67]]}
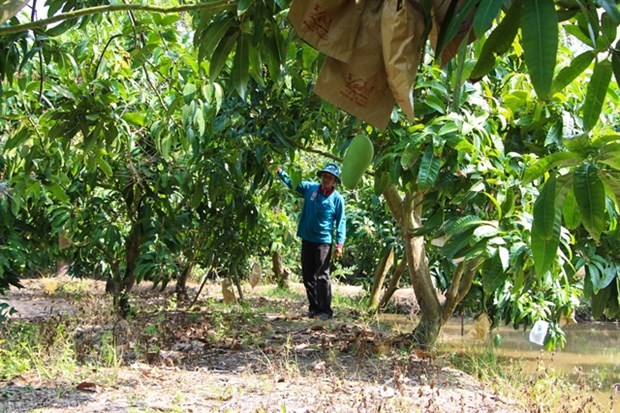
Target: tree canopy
{"points": [[137, 141]]}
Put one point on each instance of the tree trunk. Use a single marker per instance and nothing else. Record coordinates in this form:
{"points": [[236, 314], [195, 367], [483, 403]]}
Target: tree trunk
{"points": [[281, 273], [393, 286], [407, 213], [180, 288], [380, 273]]}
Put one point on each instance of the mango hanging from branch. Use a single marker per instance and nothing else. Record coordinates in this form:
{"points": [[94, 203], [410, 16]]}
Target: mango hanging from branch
{"points": [[356, 160]]}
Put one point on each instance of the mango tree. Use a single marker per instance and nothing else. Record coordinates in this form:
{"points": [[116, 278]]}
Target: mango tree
{"points": [[227, 36]]}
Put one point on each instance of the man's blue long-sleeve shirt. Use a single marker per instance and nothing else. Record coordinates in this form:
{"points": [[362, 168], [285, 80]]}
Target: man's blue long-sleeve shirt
{"points": [[320, 214]]}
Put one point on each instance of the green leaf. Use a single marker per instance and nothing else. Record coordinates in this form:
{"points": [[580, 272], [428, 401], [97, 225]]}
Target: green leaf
{"points": [[581, 145], [545, 237], [255, 65], [484, 65], [570, 211], [456, 243], [189, 92], [558, 159], [240, 71], [615, 62], [482, 232], [18, 139], [539, 28], [493, 274], [410, 155], [382, 179], [104, 166], [599, 301], [612, 187], [274, 55], [590, 196], [243, 6], [429, 170], [452, 24], [220, 55], [464, 223], [612, 159], [544, 210], [595, 95], [487, 11], [199, 122], [213, 35], [609, 30], [574, 69], [608, 274], [58, 192], [135, 118], [611, 8]]}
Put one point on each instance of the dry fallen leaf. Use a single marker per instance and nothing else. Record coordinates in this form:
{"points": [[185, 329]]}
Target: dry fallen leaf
{"points": [[227, 291], [255, 274], [87, 386]]}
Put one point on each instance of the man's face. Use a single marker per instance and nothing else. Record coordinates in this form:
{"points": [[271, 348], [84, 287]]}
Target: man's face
{"points": [[327, 180]]}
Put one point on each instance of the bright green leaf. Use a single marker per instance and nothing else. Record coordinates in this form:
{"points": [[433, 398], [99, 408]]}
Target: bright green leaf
{"points": [[612, 159], [574, 69], [558, 159], [189, 92], [135, 118]]}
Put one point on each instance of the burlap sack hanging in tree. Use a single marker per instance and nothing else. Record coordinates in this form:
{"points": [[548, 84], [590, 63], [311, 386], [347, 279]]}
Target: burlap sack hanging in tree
{"points": [[402, 35], [360, 86], [330, 26]]}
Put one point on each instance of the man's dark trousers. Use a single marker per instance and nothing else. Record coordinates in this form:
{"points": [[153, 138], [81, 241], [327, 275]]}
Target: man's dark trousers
{"points": [[315, 262]]}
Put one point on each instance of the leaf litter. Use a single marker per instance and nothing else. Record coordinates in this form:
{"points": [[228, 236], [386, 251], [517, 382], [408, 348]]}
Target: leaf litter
{"points": [[219, 358]]}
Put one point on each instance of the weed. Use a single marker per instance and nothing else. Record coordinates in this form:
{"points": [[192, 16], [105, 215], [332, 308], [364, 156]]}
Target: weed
{"points": [[50, 285]]}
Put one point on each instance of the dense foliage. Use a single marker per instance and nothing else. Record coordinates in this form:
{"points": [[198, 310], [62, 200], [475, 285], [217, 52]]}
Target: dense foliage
{"points": [[138, 142]]}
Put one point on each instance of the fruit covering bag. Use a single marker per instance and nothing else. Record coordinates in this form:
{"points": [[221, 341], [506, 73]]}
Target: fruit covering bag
{"points": [[360, 85], [402, 35], [330, 26]]}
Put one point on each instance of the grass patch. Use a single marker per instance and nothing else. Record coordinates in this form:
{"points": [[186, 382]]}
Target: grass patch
{"points": [[545, 390]]}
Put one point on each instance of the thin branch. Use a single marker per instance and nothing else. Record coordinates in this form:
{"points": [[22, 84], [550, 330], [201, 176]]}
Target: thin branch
{"points": [[103, 52], [215, 5]]}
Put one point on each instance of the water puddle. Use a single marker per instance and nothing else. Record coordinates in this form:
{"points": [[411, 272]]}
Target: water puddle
{"points": [[592, 351]]}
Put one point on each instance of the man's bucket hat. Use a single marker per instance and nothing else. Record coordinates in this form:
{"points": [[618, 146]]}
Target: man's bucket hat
{"points": [[331, 168]]}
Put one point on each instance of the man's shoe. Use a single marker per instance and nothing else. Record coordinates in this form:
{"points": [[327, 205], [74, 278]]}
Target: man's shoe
{"points": [[325, 316], [312, 314]]}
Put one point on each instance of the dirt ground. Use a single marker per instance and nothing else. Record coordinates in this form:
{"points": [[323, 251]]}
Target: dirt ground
{"points": [[282, 362]]}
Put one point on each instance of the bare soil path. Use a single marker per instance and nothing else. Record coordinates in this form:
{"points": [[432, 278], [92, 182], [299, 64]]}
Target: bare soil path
{"points": [[280, 361]]}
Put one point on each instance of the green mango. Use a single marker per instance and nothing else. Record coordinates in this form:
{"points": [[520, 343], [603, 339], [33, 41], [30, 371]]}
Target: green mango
{"points": [[356, 160]]}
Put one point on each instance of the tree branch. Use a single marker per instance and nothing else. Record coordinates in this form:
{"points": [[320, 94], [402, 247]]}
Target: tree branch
{"points": [[215, 5], [459, 287], [394, 201]]}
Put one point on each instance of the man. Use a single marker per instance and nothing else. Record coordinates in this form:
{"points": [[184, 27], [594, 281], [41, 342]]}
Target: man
{"points": [[322, 213]]}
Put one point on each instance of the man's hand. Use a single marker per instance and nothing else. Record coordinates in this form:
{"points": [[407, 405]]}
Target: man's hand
{"points": [[338, 252]]}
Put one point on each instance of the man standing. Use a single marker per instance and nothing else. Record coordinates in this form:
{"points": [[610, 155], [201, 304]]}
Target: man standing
{"points": [[322, 213]]}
